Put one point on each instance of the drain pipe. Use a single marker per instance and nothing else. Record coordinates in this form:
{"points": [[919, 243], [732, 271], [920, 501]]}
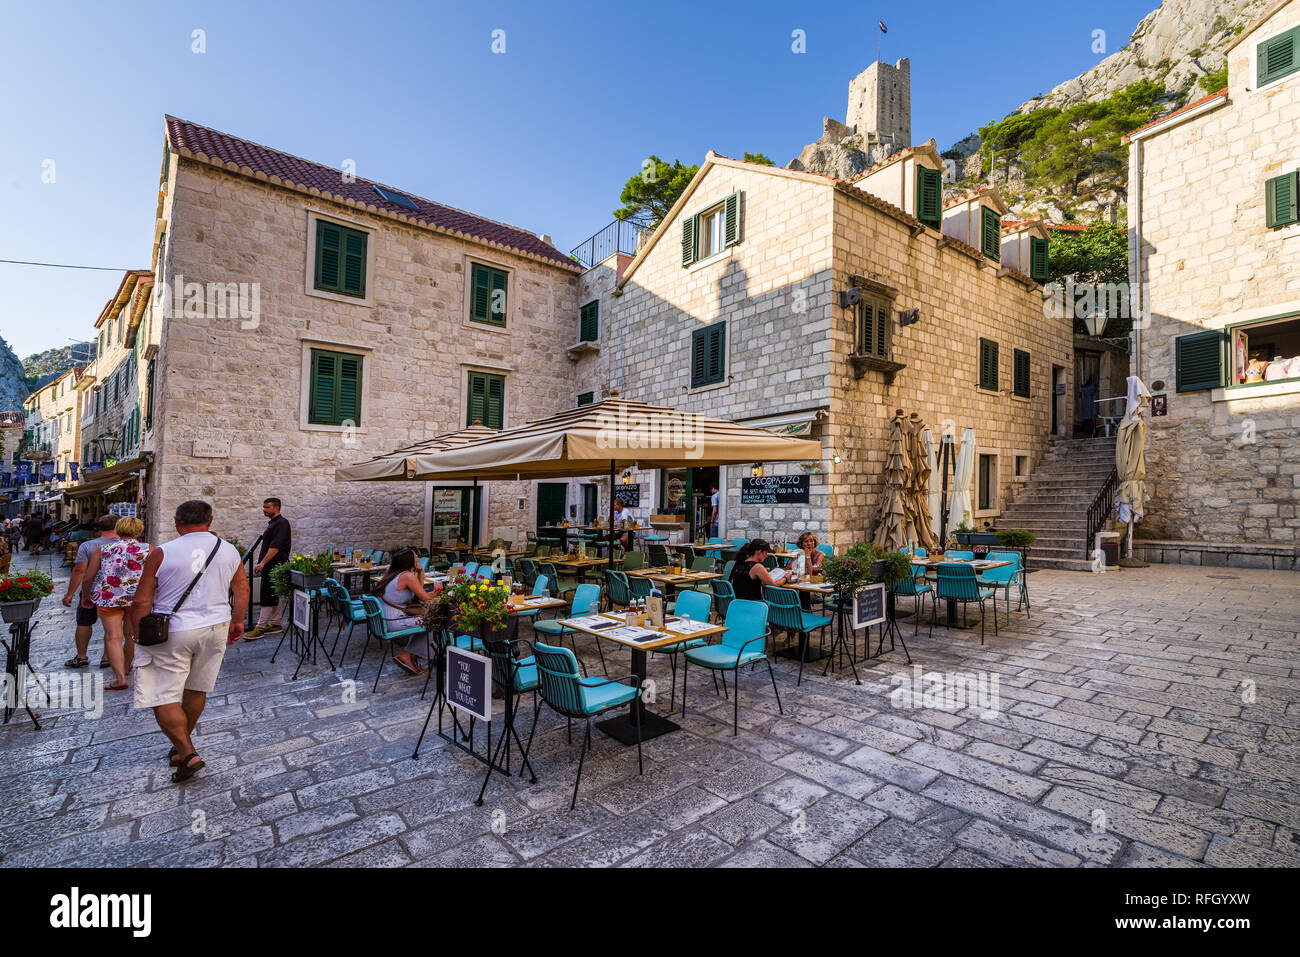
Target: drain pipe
{"points": [[1135, 218]]}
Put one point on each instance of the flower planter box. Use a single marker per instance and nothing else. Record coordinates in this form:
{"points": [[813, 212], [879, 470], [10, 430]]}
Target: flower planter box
{"points": [[305, 581], [15, 611]]}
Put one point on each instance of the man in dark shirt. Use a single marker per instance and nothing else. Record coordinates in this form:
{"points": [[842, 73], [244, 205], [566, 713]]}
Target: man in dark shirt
{"points": [[277, 548]]}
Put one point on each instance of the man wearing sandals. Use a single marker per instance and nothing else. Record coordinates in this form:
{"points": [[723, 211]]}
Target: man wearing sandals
{"points": [[175, 677], [87, 614]]}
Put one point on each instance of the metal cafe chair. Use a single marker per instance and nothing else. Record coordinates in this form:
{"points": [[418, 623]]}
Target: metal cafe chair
{"points": [[585, 596], [786, 612], [570, 695], [744, 642], [956, 582], [377, 627], [996, 577], [515, 675]]}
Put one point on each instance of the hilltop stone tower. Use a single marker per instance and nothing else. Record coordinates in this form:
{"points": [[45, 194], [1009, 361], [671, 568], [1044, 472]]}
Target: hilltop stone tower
{"points": [[877, 123], [880, 106]]}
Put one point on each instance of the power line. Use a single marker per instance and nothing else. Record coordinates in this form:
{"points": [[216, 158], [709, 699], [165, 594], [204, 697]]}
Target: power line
{"points": [[22, 262]]}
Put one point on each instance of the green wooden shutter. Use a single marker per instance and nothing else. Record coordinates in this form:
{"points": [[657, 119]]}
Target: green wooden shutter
{"points": [[699, 357], [1278, 57], [481, 302], [486, 402], [1038, 249], [354, 263], [500, 281], [929, 196], [991, 234], [496, 402], [324, 377], [590, 322], [1198, 361], [988, 364], [688, 240], [1020, 373], [349, 389], [731, 230], [717, 352], [586, 398], [476, 402], [329, 250], [1280, 196]]}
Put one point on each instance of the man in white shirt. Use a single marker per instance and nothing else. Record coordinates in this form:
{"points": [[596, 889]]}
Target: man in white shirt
{"points": [[175, 677], [713, 515]]}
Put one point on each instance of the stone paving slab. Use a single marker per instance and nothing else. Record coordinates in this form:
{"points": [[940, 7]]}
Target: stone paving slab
{"points": [[1145, 718]]}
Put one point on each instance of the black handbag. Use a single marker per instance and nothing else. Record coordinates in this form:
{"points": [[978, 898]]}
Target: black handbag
{"points": [[154, 627]]}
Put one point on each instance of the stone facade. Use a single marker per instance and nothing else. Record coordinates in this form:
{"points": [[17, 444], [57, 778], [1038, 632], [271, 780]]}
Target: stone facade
{"points": [[52, 427], [803, 239], [1224, 465], [238, 386]]}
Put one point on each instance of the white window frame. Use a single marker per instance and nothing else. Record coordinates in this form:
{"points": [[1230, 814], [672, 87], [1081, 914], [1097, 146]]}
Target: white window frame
{"points": [[304, 385], [995, 504], [309, 269]]}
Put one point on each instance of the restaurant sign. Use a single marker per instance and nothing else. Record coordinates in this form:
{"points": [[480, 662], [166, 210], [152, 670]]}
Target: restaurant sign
{"points": [[868, 606], [775, 490], [629, 495], [469, 682]]}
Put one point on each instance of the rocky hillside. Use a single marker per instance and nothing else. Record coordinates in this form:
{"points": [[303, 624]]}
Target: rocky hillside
{"points": [[13, 380], [47, 366]]}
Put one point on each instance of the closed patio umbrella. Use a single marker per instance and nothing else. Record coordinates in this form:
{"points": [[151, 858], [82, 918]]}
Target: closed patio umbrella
{"points": [[893, 527], [959, 509], [917, 499], [934, 493], [1130, 456]]}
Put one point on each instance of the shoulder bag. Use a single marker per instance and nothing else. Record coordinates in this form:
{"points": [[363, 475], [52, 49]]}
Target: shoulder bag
{"points": [[153, 628]]}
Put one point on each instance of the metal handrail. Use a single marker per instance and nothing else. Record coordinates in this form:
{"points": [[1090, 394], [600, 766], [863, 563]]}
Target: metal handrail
{"points": [[1100, 508], [620, 236]]}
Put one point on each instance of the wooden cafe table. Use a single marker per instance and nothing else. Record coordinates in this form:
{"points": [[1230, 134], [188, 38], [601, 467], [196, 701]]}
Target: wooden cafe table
{"points": [[671, 581], [579, 565], [980, 565], [640, 640]]}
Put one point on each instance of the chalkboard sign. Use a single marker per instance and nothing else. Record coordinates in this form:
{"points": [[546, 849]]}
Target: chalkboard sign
{"points": [[469, 682], [629, 495], [774, 490], [869, 606]]}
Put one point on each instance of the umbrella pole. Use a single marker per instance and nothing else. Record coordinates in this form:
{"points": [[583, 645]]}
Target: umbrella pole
{"points": [[610, 563], [473, 514]]}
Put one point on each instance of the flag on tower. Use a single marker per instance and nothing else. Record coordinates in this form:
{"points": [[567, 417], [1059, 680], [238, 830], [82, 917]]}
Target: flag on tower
{"points": [[883, 28]]}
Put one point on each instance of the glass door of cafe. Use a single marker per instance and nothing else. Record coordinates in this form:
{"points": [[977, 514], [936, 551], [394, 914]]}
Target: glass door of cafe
{"points": [[454, 517]]}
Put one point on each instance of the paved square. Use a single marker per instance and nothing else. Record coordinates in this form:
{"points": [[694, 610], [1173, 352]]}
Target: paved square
{"points": [[1143, 718]]}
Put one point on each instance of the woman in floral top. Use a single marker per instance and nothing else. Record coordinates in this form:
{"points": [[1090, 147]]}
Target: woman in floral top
{"points": [[112, 575]]}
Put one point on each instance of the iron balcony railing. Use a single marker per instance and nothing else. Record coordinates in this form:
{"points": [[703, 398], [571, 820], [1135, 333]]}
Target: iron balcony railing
{"points": [[1099, 510], [620, 236]]}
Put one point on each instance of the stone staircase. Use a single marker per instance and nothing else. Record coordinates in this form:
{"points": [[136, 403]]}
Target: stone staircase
{"points": [[1054, 502]]}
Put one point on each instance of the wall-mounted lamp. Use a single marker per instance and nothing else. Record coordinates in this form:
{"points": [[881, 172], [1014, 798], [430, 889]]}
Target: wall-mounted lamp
{"points": [[836, 460], [627, 478], [756, 470]]}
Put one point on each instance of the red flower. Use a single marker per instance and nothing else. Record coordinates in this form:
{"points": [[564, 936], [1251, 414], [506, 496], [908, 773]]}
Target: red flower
{"points": [[112, 580], [134, 566]]}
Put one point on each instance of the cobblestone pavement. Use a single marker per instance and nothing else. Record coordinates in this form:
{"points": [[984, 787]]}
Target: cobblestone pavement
{"points": [[1144, 718]]}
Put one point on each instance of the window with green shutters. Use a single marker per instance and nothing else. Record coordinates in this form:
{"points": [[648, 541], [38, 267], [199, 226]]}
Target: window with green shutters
{"points": [[488, 299], [1038, 250], [710, 231], [586, 398], [335, 397], [1020, 373], [589, 322], [1281, 194], [873, 327], [1198, 361], [990, 234], [340, 259], [988, 364], [148, 401], [1278, 57], [929, 196], [709, 355], [487, 400]]}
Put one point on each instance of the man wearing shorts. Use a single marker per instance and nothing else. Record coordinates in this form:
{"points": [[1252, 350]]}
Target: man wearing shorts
{"points": [[175, 677], [86, 613]]}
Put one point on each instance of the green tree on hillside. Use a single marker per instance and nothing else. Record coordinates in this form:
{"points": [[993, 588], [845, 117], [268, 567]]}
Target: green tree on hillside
{"points": [[651, 192], [1098, 256]]}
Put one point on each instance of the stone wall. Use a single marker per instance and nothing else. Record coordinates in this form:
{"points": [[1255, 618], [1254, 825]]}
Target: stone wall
{"points": [[243, 388], [1223, 465]]}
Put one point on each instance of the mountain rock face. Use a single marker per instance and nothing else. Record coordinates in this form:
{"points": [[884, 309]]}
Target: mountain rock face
{"points": [[1175, 44], [13, 380]]}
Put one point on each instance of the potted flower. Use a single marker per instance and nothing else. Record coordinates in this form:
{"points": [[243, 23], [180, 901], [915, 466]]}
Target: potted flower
{"points": [[308, 572], [21, 594], [481, 607], [853, 569]]}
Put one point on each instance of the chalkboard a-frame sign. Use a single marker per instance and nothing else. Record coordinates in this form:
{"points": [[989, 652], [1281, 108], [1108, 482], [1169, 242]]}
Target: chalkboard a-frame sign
{"points": [[629, 495], [774, 490], [868, 606], [469, 683]]}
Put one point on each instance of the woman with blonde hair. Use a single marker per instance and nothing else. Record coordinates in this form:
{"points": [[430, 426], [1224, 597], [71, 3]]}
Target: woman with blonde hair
{"points": [[813, 556], [112, 575]]}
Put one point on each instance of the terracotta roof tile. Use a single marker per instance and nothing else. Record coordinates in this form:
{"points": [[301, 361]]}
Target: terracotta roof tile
{"points": [[254, 158], [1190, 106]]}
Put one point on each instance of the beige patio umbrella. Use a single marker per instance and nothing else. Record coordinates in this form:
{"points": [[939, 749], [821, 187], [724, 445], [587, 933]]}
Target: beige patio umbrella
{"points": [[959, 509], [934, 493], [399, 464], [893, 525], [608, 436], [1130, 457], [917, 499]]}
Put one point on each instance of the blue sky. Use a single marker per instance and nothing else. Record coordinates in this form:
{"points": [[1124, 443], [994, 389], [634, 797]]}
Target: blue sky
{"points": [[541, 136]]}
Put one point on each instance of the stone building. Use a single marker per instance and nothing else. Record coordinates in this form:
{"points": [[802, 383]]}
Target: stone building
{"points": [[1214, 238], [808, 305], [51, 437], [305, 318]]}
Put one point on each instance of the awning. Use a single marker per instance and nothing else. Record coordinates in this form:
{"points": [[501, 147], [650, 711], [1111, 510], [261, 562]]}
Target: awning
{"points": [[101, 480], [787, 423]]}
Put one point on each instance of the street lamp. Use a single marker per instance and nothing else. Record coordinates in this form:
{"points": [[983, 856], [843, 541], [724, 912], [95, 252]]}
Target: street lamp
{"points": [[108, 445]]}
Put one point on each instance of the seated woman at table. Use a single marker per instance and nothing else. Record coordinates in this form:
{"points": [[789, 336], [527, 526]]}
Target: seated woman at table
{"points": [[750, 574], [397, 591], [813, 557]]}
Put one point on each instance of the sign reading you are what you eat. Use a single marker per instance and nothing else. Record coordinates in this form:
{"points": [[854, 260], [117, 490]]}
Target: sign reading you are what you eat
{"points": [[774, 490]]}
